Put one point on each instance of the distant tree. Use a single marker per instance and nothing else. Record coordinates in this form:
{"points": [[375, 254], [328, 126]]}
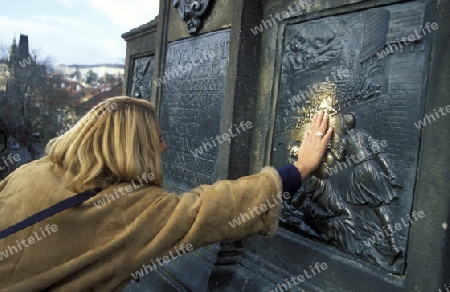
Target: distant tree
{"points": [[91, 77], [54, 104], [5, 131], [32, 105]]}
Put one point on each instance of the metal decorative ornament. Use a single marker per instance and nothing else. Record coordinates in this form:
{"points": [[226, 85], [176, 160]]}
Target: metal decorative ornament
{"points": [[192, 12]]}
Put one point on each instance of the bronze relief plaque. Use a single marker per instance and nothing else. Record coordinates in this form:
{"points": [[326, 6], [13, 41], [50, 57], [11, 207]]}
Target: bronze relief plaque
{"points": [[366, 72], [141, 77]]}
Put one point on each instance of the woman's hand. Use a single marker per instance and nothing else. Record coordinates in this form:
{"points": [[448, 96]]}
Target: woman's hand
{"points": [[314, 145]]}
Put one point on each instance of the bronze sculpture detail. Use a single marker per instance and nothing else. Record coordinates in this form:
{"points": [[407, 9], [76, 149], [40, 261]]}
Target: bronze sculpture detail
{"points": [[192, 12]]}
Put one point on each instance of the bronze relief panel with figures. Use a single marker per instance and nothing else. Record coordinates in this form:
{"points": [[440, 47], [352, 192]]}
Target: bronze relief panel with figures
{"points": [[360, 199], [141, 77]]}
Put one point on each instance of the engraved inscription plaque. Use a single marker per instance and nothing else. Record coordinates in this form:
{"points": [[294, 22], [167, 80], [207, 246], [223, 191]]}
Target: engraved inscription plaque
{"points": [[191, 105], [141, 79], [355, 68]]}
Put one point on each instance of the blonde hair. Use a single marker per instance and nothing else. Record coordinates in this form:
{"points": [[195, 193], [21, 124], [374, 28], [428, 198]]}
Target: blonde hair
{"points": [[116, 141]]}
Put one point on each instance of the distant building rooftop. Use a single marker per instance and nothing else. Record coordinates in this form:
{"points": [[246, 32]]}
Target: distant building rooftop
{"points": [[93, 66]]}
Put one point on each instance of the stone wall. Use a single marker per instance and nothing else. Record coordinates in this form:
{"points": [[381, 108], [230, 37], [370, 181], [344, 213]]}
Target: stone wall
{"points": [[297, 46]]}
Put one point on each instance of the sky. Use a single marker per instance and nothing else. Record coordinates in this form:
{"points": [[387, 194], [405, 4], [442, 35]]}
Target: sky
{"points": [[82, 32]]}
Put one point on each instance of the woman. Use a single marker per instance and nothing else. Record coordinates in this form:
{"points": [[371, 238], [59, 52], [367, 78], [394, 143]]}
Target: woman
{"points": [[117, 147]]}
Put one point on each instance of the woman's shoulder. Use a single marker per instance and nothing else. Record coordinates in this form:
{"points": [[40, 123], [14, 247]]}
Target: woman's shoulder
{"points": [[32, 177]]}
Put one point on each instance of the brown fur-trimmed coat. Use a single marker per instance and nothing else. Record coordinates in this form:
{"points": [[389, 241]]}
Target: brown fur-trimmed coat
{"points": [[98, 248]]}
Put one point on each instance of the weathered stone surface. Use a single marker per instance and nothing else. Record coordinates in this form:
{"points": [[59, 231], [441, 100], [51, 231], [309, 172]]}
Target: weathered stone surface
{"points": [[265, 69], [140, 60]]}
